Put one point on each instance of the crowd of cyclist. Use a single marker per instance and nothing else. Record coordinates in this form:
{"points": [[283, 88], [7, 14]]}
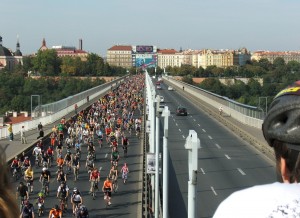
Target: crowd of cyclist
{"points": [[107, 122]]}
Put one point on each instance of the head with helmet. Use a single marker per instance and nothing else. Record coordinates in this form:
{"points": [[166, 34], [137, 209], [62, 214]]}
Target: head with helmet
{"points": [[281, 129], [44, 169]]}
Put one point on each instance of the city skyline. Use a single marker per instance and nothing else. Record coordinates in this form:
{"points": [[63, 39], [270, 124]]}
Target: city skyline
{"points": [[195, 24]]}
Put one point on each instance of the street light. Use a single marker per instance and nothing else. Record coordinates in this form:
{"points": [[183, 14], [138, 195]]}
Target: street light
{"points": [[192, 144]]}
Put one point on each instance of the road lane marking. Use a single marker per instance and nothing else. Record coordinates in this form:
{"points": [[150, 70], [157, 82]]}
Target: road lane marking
{"points": [[226, 155], [179, 130], [198, 124], [209, 137], [100, 168], [106, 155], [213, 190], [183, 136], [202, 171], [203, 130], [241, 171], [176, 124], [194, 120], [218, 146]]}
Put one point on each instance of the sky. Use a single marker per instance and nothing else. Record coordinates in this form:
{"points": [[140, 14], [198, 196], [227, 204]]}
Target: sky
{"points": [[188, 24]]}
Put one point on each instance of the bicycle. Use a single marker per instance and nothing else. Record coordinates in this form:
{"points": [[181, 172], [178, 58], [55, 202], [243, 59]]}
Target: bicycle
{"points": [[125, 150], [106, 197], [62, 203], [28, 184], [38, 160], [75, 173], [22, 200], [16, 174], [93, 189], [115, 184], [40, 209], [45, 187]]}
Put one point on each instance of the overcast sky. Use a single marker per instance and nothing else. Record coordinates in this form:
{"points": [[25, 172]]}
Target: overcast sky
{"points": [[196, 24]]}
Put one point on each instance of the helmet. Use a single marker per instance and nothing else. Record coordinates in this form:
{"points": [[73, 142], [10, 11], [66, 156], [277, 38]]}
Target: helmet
{"points": [[44, 168], [282, 120], [41, 194], [68, 151], [75, 189], [26, 158]]}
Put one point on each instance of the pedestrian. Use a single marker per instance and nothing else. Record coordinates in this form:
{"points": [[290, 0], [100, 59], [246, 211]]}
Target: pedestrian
{"points": [[221, 110], [10, 132], [40, 126], [41, 131], [23, 136], [279, 199]]}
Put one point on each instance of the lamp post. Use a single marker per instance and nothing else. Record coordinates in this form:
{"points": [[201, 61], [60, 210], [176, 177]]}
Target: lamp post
{"points": [[192, 144], [39, 104], [156, 209], [166, 113], [266, 103]]}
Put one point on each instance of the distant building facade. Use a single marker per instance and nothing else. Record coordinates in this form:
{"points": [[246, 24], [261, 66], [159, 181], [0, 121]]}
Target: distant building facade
{"points": [[120, 55], [8, 58], [271, 56], [67, 51]]}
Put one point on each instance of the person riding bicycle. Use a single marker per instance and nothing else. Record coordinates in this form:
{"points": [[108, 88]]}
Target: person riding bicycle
{"points": [[78, 147], [91, 148], [26, 163], [49, 153], [100, 135], [27, 210], [107, 188], [125, 143], [68, 160], [63, 193], [41, 200], [28, 177], [15, 164], [60, 161], [113, 173], [45, 178], [89, 164], [76, 198], [37, 152], [75, 162], [55, 212], [115, 156], [94, 178], [124, 170], [82, 212], [61, 176], [22, 192]]}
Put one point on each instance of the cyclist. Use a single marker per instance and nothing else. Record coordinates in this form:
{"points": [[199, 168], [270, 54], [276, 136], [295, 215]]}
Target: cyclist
{"points": [[100, 136], [49, 154], [76, 199], [91, 149], [68, 160], [59, 147], [28, 177], [115, 156], [60, 161], [89, 164], [107, 188], [75, 163], [22, 192], [53, 137], [61, 176], [26, 163], [77, 147], [125, 143], [45, 179], [63, 193], [113, 174], [94, 178], [40, 201], [55, 212], [27, 210], [124, 172], [15, 164], [82, 212], [37, 152]]}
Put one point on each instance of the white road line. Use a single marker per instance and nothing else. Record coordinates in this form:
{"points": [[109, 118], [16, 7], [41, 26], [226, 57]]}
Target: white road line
{"points": [[198, 124], [202, 171], [226, 155], [176, 124], [241, 171], [106, 155], [194, 120], [218, 146], [183, 136], [179, 130], [100, 168], [203, 130], [209, 137], [213, 190]]}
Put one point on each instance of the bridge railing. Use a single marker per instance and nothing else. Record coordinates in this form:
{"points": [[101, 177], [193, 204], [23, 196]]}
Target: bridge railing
{"points": [[49, 113], [246, 114]]}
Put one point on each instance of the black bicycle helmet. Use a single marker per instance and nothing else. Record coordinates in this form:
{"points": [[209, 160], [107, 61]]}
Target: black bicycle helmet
{"points": [[282, 122]]}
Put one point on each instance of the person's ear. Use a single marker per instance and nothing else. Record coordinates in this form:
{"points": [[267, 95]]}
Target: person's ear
{"points": [[285, 174]]}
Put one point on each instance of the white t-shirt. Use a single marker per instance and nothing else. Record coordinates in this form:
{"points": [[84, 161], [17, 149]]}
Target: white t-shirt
{"points": [[37, 150], [271, 201]]}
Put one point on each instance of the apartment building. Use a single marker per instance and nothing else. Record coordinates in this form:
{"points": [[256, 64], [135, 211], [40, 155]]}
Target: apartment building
{"points": [[120, 55], [169, 57], [271, 56]]}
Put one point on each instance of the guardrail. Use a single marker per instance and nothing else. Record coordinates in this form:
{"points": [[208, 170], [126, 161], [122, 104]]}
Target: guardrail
{"points": [[246, 114], [60, 108]]}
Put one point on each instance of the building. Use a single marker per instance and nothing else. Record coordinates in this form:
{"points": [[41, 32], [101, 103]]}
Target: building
{"points": [[271, 56], [8, 58], [120, 55], [169, 58], [67, 51]]}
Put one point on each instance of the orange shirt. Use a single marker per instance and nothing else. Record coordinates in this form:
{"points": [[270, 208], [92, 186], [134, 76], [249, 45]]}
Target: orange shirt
{"points": [[60, 161], [107, 184], [55, 213]]}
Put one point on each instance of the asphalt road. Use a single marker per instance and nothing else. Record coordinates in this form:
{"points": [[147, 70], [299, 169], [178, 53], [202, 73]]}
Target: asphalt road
{"points": [[126, 202], [226, 163]]}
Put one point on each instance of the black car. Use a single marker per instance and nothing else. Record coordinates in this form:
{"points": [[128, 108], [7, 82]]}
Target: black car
{"points": [[181, 111]]}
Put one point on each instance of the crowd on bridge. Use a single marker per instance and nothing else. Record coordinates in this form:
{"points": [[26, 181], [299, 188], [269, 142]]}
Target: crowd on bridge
{"points": [[108, 123]]}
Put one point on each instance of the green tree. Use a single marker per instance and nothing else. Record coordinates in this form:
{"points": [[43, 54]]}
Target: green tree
{"points": [[47, 63]]}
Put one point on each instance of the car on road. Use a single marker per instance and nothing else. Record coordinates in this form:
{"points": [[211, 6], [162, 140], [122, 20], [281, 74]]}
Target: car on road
{"points": [[170, 88], [181, 111], [161, 108], [162, 99], [158, 87]]}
